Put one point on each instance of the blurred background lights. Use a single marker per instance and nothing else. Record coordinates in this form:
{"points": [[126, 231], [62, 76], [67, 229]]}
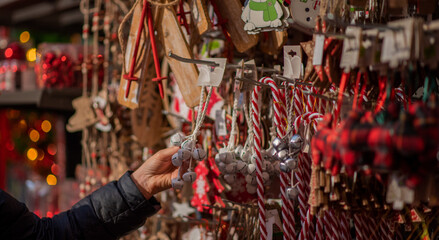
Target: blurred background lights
{"points": [[46, 126], [9, 52], [32, 154], [51, 149], [51, 179], [31, 55], [24, 37], [34, 135]]}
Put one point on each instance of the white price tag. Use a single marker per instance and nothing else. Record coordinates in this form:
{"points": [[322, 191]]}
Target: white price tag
{"points": [[351, 48], [220, 123], [318, 50], [212, 76], [293, 61]]}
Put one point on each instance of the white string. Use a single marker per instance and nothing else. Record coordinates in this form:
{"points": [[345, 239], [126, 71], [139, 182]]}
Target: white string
{"points": [[290, 108], [248, 113], [201, 113]]}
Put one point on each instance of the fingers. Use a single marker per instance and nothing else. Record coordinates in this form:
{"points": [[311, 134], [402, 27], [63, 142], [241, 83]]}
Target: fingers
{"points": [[166, 153]]}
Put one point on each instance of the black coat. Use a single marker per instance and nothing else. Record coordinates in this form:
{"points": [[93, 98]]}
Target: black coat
{"points": [[108, 213]]}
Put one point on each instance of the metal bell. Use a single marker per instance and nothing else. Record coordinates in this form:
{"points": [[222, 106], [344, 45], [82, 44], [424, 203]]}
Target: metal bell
{"points": [[199, 154], [238, 151], [230, 178], [231, 168], [184, 154], [284, 167], [177, 183], [177, 139], [292, 193], [251, 169], [189, 177], [292, 163], [241, 166], [176, 161], [296, 142], [281, 155], [278, 144]]}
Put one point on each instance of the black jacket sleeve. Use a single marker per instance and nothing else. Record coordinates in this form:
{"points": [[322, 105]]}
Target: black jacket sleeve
{"points": [[108, 213]]}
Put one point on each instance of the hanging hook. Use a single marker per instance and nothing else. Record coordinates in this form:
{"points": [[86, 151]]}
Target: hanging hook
{"points": [[195, 61]]}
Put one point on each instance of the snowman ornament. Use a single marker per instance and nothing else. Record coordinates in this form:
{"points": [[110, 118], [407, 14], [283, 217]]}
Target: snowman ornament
{"points": [[264, 15]]}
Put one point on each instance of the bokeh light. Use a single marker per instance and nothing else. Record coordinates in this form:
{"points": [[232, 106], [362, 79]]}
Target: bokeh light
{"points": [[55, 169], [32, 154], [51, 149], [24, 37], [46, 126], [31, 55], [34, 135], [9, 52], [51, 179]]}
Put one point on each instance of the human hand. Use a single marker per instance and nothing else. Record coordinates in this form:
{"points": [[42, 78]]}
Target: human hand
{"points": [[156, 173]]}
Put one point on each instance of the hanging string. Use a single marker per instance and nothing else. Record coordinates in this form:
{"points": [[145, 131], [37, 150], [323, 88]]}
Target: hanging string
{"points": [[201, 113]]}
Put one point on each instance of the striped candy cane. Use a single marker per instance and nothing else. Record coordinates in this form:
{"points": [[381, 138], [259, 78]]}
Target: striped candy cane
{"points": [[257, 150], [358, 227], [319, 229], [287, 205]]}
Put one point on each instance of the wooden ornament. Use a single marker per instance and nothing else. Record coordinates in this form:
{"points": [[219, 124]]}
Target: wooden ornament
{"points": [[128, 45], [274, 42], [200, 16], [230, 10], [173, 40], [84, 115], [308, 48], [146, 120]]}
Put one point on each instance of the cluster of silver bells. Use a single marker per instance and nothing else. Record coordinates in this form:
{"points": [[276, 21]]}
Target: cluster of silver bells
{"points": [[281, 157], [185, 154]]}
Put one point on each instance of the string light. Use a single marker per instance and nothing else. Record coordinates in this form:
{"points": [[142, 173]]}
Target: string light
{"points": [[46, 126], [24, 37], [34, 135], [32, 154], [51, 180], [54, 168]]}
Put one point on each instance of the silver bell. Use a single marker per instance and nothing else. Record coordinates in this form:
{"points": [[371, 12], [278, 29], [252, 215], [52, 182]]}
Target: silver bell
{"points": [[296, 142], [281, 155], [199, 154], [176, 161], [241, 166], [284, 167], [177, 183], [189, 177], [292, 163], [292, 193], [184, 154], [278, 144]]}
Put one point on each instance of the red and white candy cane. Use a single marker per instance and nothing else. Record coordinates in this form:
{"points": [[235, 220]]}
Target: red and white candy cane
{"points": [[319, 229], [257, 150], [344, 225], [285, 178], [307, 231], [359, 234]]}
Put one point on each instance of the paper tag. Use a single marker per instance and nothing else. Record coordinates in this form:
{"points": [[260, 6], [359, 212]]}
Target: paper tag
{"points": [[351, 48], [272, 218], [389, 50], [220, 122], [368, 48], [212, 76], [318, 50], [292, 61], [402, 39]]}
